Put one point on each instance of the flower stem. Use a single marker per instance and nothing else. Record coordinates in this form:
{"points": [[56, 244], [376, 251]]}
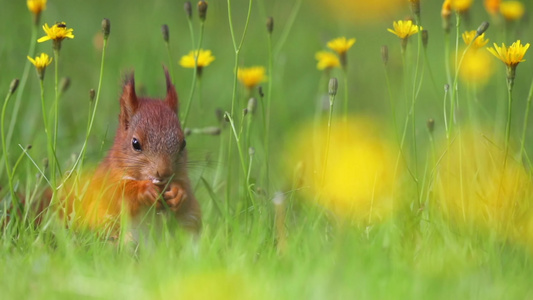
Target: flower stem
{"points": [[194, 74], [328, 137], [10, 175]]}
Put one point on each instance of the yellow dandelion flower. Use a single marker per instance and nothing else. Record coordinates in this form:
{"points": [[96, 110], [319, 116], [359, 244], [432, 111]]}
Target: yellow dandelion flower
{"points": [[461, 5], [492, 6], [250, 77], [341, 45], [57, 33], [36, 6], [326, 60], [512, 10], [40, 63], [404, 29], [205, 58], [511, 56], [480, 41]]}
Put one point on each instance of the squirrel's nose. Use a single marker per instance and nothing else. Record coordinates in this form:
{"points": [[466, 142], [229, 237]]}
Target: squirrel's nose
{"points": [[161, 178]]}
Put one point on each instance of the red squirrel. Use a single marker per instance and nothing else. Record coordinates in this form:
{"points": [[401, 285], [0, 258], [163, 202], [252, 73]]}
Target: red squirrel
{"points": [[146, 168]]}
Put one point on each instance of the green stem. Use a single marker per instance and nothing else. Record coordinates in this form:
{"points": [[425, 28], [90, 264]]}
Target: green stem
{"points": [[345, 79], [526, 118], [269, 101], [328, 137]]}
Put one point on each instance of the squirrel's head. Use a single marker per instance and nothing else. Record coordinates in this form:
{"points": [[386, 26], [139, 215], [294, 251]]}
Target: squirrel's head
{"points": [[149, 141]]}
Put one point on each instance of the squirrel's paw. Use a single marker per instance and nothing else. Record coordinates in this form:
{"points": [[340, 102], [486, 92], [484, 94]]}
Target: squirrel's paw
{"points": [[150, 193], [174, 196]]}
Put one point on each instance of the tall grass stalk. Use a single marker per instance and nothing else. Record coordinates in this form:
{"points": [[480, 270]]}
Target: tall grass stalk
{"points": [[332, 91], [10, 175]]}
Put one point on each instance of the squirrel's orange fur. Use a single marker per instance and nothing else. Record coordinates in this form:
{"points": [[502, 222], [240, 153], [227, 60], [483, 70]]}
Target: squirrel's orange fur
{"points": [[145, 168]]}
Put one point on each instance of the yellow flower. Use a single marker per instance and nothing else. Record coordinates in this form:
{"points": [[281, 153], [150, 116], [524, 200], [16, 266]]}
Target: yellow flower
{"points": [[510, 56], [492, 6], [461, 5], [326, 60], [40, 63], [57, 33], [252, 76], [512, 10], [404, 29], [468, 37], [477, 67], [205, 58], [36, 6], [341, 45], [359, 178]]}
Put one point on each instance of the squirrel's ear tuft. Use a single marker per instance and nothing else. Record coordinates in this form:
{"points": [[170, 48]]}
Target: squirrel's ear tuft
{"points": [[172, 97], [128, 101]]}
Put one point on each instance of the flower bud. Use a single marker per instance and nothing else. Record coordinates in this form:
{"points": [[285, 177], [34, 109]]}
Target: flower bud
{"points": [[188, 9], [106, 28], [270, 24], [425, 38], [333, 86], [251, 151], [187, 131], [482, 28], [385, 54], [64, 84], [252, 105], [13, 86], [164, 31], [92, 94], [431, 125], [244, 112], [260, 90], [202, 10]]}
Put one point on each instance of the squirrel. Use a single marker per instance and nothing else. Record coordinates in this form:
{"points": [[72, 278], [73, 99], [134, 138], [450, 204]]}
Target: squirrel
{"points": [[144, 169]]}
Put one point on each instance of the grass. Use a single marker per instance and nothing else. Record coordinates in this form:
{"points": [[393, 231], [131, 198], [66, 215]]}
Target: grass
{"points": [[448, 216]]}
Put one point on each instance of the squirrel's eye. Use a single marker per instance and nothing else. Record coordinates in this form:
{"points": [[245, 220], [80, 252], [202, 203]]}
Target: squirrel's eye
{"points": [[183, 144], [136, 145]]}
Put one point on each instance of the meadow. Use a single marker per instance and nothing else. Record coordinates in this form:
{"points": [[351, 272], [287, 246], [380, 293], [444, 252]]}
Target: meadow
{"points": [[370, 164]]}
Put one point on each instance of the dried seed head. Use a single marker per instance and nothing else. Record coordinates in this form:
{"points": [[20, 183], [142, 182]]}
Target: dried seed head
{"points": [[29, 147], [385, 54], [188, 9], [333, 86], [252, 105], [226, 117], [251, 151], [106, 28], [211, 130], [482, 28], [202, 10], [446, 88], [270, 24], [164, 31], [425, 38], [13, 86], [187, 131], [92, 94], [431, 125], [64, 84], [45, 163]]}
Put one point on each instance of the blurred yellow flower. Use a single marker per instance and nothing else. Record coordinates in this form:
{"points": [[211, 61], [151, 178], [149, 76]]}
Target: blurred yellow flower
{"points": [[341, 45], [58, 32], [326, 60], [511, 56], [250, 77], [360, 12], [446, 11], [492, 6], [36, 6], [512, 10], [404, 29], [204, 59], [41, 62], [480, 41], [461, 5], [359, 176], [472, 186], [477, 67]]}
